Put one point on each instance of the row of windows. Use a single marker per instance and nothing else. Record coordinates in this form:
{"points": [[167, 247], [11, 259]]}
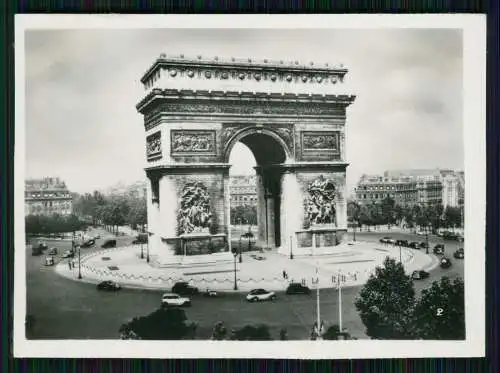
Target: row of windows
{"points": [[47, 195], [244, 198]]}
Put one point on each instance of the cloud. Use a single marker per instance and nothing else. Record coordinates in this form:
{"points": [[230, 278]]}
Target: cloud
{"points": [[82, 87]]}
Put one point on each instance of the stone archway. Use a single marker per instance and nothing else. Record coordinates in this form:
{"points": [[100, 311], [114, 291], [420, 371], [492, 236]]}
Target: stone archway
{"points": [[296, 138], [270, 152]]}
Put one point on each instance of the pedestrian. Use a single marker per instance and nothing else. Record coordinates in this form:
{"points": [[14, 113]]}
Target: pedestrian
{"points": [[69, 265], [284, 275]]}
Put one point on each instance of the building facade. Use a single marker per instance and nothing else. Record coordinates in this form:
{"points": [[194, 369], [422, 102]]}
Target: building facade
{"points": [[47, 196], [374, 188], [243, 190], [410, 187]]}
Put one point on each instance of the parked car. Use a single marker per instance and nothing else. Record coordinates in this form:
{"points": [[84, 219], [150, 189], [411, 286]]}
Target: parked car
{"points": [[210, 293], [402, 243], [97, 236], [459, 254], [419, 275], [450, 236], [68, 254], [88, 243], [140, 239], [175, 300], [421, 233], [297, 288], [183, 288], [423, 245], [257, 295], [52, 251], [108, 285], [49, 261], [439, 249], [413, 245], [109, 244], [36, 250], [387, 240], [445, 263]]}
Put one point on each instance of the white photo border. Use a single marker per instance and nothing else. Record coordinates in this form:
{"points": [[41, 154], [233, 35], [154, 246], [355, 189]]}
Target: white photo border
{"points": [[474, 119]]}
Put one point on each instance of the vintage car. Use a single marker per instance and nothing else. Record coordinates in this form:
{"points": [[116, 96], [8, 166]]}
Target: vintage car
{"points": [[258, 295]]}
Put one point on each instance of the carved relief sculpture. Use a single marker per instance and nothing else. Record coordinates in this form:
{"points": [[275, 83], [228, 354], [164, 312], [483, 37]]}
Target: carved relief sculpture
{"points": [[190, 141], [194, 213], [153, 146], [321, 141], [320, 204]]}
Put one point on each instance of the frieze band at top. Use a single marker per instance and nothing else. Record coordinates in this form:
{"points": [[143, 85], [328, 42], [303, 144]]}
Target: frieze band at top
{"points": [[238, 68]]}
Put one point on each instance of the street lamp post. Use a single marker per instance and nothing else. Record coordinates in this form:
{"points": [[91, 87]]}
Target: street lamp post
{"points": [[426, 241], [354, 232], [142, 251], [79, 262], [340, 280], [291, 246], [239, 249], [318, 312], [235, 254]]}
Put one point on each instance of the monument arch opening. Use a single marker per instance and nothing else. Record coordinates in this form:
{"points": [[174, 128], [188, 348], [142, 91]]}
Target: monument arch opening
{"points": [[291, 116], [269, 151]]}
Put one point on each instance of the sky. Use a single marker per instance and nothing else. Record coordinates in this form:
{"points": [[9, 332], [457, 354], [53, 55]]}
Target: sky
{"points": [[82, 87]]}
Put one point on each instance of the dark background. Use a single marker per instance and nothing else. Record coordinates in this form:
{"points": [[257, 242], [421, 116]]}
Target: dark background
{"points": [[489, 364]]}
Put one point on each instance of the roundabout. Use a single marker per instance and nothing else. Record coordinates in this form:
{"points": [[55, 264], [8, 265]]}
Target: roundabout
{"points": [[352, 263]]}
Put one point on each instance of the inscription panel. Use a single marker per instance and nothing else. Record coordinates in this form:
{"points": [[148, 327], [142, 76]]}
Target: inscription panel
{"points": [[153, 146], [193, 142]]}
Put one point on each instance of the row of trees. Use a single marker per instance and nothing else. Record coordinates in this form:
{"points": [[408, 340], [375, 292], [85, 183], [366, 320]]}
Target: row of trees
{"points": [[388, 212], [112, 211], [172, 324], [53, 224], [390, 309], [244, 215]]}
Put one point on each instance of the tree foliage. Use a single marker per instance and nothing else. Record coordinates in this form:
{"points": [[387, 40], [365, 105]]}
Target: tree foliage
{"points": [[244, 215], [440, 311], [52, 224], [386, 302], [252, 333], [162, 324], [389, 309], [386, 211]]}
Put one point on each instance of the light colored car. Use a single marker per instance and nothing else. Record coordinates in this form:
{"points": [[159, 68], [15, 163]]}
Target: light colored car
{"points": [[49, 261], [257, 295], [171, 299]]}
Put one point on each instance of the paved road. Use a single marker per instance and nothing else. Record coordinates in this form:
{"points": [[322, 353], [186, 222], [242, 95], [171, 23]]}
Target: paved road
{"points": [[66, 309]]}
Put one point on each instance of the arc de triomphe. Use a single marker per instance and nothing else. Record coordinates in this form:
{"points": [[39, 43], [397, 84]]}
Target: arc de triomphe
{"points": [[291, 116]]}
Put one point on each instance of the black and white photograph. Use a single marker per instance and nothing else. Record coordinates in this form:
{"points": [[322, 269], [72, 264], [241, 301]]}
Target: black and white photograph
{"points": [[250, 186]]}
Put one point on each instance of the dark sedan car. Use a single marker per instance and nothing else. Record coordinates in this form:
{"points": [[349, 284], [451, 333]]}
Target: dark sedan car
{"points": [[445, 263], [297, 288], [109, 244], [459, 254], [402, 243], [413, 245], [108, 286], [419, 275], [183, 288], [439, 249]]}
